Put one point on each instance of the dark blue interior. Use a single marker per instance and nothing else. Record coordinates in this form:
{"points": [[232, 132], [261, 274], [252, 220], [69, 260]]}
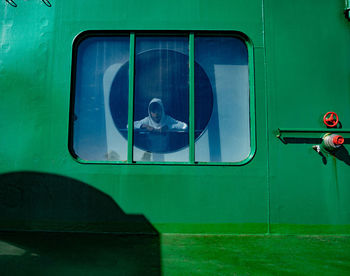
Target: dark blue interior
{"points": [[164, 74]]}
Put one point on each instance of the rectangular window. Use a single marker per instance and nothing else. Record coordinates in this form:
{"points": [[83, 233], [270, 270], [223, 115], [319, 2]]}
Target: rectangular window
{"points": [[160, 99]]}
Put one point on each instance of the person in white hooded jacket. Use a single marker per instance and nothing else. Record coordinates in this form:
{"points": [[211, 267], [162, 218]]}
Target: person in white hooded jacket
{"points": [[157, 120]]}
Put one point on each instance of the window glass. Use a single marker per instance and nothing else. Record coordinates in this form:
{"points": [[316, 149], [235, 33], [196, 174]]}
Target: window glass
{"points": [[226, 137], [99, 123], [101, 99], [161, 104]]}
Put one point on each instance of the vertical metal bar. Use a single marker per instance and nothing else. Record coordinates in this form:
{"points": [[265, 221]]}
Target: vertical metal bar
{"points": [[191, 99], [131, 98]]}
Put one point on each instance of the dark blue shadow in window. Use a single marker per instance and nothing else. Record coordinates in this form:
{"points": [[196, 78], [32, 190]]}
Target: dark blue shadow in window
{"points": [[166, 78]]}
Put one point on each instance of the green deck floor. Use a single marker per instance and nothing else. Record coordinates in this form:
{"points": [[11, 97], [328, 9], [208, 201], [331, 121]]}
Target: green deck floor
{"points": [[101, 254]]}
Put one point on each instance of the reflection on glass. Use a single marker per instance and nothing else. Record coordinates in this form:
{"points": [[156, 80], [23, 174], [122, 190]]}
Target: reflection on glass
{"points": [[161, 99], [95, 136], [158, 126], [227, 134], [157, 120]]}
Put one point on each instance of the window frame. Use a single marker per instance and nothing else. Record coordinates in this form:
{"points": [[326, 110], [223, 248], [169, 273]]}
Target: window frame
{"points": [[130, 142]]}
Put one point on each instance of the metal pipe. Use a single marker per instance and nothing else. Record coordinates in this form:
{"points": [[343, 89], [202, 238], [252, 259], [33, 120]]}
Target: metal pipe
{"points": [[316, 130]]}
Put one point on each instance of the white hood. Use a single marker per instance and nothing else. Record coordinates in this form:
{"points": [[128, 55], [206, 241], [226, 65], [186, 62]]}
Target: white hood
{"points": [[162, 122], [165, 120]]}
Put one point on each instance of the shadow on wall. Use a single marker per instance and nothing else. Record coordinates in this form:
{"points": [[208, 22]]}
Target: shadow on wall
{"points": [[47, 202]]}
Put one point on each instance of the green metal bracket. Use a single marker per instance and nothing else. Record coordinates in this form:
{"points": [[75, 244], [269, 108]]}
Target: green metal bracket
{"points": [[308, 133]]}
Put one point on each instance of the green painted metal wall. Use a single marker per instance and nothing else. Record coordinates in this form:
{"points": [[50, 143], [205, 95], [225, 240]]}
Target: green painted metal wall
{"points": [[300, 61], [307, 49]]}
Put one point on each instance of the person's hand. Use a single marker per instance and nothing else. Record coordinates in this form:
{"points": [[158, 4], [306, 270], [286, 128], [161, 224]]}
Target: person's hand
{"points": [[160, 130], [163, 129], [149, 128]]}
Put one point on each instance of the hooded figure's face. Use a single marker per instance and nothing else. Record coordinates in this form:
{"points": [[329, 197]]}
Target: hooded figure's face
{"points": [[156, 112]]}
